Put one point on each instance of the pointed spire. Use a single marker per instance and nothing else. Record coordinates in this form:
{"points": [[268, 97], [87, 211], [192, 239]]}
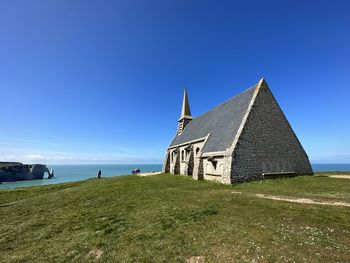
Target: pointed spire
{"points": [[186, 116], [186, 111]]}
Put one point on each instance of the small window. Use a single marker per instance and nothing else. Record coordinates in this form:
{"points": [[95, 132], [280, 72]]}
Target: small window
{"points": [[182, 155], [197, 150]]}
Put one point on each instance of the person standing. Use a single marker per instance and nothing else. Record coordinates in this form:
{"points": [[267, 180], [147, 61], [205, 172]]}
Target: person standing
{"points": [[99, 174]]}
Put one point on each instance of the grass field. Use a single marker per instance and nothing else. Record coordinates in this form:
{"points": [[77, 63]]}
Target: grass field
{"points": [[169, 218]]}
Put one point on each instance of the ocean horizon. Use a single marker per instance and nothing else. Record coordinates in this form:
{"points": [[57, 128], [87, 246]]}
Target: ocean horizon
{"points": [[77, 172]]}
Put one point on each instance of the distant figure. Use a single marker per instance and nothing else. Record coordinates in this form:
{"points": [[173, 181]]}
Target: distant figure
{"points": [[136, 171], [99, 174]]}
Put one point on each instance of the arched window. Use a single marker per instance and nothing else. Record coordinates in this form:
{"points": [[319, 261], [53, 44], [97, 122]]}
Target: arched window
{"points": [[197, 151], [214, 165], [182, 155]]}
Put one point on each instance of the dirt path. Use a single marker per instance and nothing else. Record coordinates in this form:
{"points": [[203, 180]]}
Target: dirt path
{"points": [[341, 176], [149, 174], [298, 200]]}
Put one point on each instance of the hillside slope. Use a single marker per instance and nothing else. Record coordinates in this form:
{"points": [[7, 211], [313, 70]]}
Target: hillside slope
{"points": [[169, 218]]}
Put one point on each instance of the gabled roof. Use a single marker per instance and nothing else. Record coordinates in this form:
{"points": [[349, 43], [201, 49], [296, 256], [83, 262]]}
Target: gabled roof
{"points": [[222, 122]]}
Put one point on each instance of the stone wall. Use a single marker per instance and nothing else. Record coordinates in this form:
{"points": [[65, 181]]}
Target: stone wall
{"points": [[177, 163], [190, 162], [226, 170], [172, 162], [182, 160], [166, 165], [267, 143], [198, 171], [213, 169]]}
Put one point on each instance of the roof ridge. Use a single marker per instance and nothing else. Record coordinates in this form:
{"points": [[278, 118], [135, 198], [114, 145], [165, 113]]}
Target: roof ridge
{"points": [[246, 115]]}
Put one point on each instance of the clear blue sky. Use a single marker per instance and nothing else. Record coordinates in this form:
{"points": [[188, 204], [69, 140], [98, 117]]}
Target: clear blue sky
{"points": [[102, 81]]}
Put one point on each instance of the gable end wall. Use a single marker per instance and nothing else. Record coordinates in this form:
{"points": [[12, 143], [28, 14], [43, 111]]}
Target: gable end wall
{"points": [[267, 143]]}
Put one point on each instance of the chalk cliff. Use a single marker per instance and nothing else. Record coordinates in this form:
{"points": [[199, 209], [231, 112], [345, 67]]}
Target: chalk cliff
{"points": [[13, 171]]}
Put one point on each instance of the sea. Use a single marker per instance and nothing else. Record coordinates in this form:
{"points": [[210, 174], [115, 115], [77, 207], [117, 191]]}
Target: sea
{"points": [[71, 173]]}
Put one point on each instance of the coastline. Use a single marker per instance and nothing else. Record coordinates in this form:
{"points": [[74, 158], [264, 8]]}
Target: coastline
{"points": [[73, 173], [329, 174]]}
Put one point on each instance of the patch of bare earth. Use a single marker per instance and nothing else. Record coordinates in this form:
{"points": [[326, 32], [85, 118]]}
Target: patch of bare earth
{"points": [[340, 176], [195, 259], [96, 253], [298, 200], [149, 174]]}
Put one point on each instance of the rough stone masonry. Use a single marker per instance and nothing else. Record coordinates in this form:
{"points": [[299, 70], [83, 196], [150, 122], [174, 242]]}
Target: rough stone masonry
{"points": [[246, 138]]}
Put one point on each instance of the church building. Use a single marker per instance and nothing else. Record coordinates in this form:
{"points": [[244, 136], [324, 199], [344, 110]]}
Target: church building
{"points": [[246, 138]]}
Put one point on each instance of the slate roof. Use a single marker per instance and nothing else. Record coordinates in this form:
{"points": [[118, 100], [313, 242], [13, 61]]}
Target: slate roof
{"points": [[223, 122]]}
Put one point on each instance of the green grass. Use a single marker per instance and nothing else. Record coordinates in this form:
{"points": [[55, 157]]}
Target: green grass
{"points": [[314, 187], [169, 218]]}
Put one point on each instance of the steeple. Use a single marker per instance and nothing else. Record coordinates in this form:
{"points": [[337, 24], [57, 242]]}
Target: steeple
{"points": [[186, 116], [186, 111]]}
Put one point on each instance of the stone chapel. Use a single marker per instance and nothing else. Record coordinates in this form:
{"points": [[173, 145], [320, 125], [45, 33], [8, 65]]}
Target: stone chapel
{"points": [[245, 138]]}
